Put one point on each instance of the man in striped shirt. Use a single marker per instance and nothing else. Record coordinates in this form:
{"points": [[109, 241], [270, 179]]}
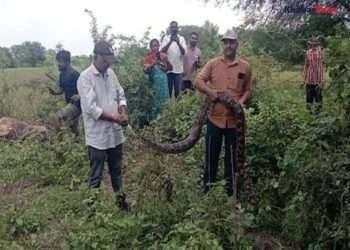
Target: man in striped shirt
{"points": [[313, 74]]}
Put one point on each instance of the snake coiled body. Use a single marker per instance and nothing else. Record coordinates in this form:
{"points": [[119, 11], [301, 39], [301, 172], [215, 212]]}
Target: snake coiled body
{"points": [[193, 137]]}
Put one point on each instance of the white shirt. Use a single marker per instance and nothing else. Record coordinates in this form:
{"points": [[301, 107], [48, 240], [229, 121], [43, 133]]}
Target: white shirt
{"points": [[174, 53], [100, 93]]}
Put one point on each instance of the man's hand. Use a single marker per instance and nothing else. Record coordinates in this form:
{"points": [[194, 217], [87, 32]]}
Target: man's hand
{"points": [[122, 120], [75, 98], [213, 94], [175, 39], [241, 103], [54, 92], [51, 91], [123, 117], [197, 63]]}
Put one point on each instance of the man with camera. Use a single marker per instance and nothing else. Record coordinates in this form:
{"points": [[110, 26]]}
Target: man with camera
{"points": [[174, 46]]}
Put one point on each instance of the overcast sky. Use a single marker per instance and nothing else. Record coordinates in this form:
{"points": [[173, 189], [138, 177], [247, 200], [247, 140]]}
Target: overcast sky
{"points": [[64, 21]]}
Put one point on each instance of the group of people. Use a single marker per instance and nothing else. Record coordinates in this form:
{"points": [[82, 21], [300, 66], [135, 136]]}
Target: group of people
{"points": [[170, 64], [99, 96]]}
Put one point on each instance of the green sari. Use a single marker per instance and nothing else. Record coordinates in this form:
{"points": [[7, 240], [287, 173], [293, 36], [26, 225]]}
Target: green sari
{"points": [[159, 82]]}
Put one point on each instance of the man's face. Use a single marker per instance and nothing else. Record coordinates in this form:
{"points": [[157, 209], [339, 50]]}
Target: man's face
{"points": [[193, 40], [103, 62], [313, 45], [62, 64], [230, 47], [173, 28]]}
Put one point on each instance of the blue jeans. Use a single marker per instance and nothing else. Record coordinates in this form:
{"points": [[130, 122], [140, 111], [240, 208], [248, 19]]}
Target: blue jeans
{"points": [[175, 80], [114, 157]]}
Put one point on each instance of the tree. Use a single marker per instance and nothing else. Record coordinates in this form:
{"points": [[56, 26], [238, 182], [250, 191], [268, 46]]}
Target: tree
{"points": [[6, 59], [288, 45], [276, 11], [28, 53]]}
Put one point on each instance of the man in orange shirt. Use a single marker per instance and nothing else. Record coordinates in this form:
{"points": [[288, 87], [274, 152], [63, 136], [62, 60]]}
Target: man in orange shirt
{"points": [[233, 76]]}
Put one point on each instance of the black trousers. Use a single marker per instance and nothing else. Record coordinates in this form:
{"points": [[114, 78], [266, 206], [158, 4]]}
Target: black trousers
{"points": [[114, 157], [313, 93], [187, 84], [214, 140], [175, 80]]}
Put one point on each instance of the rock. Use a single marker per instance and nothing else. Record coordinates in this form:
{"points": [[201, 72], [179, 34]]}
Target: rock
{"points": [[13, 129]]}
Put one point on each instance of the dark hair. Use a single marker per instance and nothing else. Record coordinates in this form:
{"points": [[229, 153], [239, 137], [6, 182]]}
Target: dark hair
{"points": [[153, 40], [174, 23], [63, 55], [194, 33]]}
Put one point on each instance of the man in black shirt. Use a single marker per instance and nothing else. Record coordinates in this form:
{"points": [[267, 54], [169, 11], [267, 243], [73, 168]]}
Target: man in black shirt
{"points": [[68, 85]]}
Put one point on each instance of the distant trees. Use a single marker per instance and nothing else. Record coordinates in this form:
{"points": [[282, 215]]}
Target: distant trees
{"points": [[6, 58], [28, 53], [276, 12]]}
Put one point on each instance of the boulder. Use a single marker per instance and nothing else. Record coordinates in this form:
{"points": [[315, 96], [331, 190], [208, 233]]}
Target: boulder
{"points": [[13, 129]]}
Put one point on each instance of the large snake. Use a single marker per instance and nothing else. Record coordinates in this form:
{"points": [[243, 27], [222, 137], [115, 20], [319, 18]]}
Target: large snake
{"points": [[193, 137]]}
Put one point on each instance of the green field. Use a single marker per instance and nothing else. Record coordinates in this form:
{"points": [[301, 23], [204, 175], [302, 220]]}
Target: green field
{"points": [[23, 75], [299, 162]]}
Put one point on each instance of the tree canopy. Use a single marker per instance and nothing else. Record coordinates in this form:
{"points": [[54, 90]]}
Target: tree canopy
{"points": [[28, 53]]}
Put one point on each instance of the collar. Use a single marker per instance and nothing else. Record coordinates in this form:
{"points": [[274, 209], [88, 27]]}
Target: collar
{"points": [[234, 63], [66, 70], [98, 73]]}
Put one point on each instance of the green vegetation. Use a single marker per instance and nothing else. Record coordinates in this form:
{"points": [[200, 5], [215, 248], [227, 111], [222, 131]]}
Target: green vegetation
{"points": [[299, 163]]}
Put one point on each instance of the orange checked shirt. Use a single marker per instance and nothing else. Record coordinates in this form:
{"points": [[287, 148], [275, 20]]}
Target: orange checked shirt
{"points": [[313, 69]]}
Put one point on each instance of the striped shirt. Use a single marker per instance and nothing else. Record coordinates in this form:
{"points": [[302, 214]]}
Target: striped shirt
{"points": [[313, 69]]}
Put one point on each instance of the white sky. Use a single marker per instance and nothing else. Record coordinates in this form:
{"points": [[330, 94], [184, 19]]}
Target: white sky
{"points": [[64, 21]]}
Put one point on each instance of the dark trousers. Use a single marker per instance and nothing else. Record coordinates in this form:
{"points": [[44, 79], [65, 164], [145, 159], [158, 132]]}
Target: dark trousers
{"points": [[175, 81], [313, 94], [114, 157], [187, 85], [214, 139]]}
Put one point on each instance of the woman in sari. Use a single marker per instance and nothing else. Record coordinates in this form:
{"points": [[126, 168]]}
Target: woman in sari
{"points": [[156, 65]]}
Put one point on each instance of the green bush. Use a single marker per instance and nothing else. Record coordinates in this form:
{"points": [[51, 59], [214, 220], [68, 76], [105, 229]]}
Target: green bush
{"points": [[24, 222]]}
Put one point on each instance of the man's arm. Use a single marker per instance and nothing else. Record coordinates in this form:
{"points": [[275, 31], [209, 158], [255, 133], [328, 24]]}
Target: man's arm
{"points": [[247, 88], [198, 62], [122, 103], [201, 82], [180, 41], [306, 68], [88, 101], [52, 91], [323, 55], [55, 92], [166, 44], [76, 75]]}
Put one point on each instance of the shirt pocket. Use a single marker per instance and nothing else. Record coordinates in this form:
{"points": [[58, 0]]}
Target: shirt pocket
{"points": [[238, 85]]}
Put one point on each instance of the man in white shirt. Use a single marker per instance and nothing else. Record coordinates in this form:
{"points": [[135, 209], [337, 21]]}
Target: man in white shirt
{"points": [[174, 46], [104, 112]]}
